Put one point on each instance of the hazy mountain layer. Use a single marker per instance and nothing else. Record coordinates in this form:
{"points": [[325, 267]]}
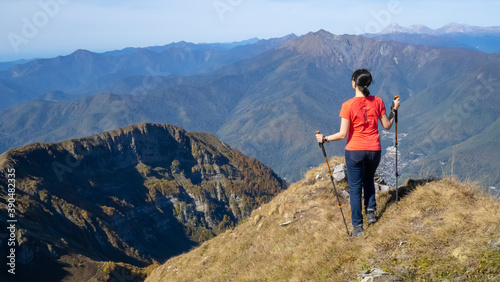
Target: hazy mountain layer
{"points": [[84, 72], [270, 105]]}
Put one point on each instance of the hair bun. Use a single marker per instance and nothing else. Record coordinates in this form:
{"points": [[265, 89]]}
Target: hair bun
{"points": [[363, 79]]}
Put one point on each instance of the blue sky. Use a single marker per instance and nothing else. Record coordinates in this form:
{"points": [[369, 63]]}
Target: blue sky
{"points": [[47, 28]]}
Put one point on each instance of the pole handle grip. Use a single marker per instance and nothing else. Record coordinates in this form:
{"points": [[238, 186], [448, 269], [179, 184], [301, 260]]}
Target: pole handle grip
{"points": [[396, 111], [321, 145], [392, 105]]}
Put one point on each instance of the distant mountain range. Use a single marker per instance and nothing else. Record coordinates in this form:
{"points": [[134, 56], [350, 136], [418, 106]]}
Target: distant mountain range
{"points": [[84, 72], [7, 65], [451, 28], [485, 39], [269, 103], [136, 194]]}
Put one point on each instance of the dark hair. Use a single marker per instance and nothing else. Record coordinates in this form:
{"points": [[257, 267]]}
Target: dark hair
{"points": [[363, 79]]}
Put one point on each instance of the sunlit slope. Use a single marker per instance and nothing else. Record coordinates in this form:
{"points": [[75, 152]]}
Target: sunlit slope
{"points": [[443, 229]]}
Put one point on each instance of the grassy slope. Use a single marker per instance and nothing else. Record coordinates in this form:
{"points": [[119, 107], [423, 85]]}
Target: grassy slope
{"points": [[441, 229]]}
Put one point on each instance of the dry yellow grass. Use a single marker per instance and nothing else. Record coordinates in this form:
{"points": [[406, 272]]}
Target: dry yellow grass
{"points": [[442, 230]]}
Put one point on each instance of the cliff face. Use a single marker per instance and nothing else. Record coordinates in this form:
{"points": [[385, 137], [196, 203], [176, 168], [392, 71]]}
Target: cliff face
{"points": [[137, 194]]}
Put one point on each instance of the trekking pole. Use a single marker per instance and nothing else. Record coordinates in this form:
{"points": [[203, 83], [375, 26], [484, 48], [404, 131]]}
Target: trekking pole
{"points": [[334, 189], [396, 145]]}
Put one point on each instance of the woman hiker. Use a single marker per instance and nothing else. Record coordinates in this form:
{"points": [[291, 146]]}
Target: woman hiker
{"points": [[359, 124]]}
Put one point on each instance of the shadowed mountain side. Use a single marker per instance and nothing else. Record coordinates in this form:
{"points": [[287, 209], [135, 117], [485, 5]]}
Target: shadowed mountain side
{"points": [[442, 230], [137, 194]]}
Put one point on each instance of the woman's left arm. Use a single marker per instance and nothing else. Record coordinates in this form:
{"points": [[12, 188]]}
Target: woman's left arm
{"points": [[342, 134], [387, 121]]}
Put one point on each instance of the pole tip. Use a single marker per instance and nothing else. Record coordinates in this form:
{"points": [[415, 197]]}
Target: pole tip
{"points": [[395, 97], [317, 131]]}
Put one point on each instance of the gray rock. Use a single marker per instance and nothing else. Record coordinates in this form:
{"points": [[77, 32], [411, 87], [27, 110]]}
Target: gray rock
{"points": [[344, 194], [382, 188], [339, 173], [378, 179], [377, 275]]}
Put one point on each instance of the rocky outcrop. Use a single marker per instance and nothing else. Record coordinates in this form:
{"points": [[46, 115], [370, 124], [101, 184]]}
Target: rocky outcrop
{"points": [[137, 194]]}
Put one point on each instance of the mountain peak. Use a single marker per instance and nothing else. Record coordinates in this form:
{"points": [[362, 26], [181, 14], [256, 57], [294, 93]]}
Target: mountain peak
{"points": [[312, 43], [457, 28], [393, 28], [317, 35], [323, 33], [323, 44], [82, 52], [396, 28]]}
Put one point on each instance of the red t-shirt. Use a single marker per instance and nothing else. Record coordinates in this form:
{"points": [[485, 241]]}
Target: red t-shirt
{"points": [[364, 113]]}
